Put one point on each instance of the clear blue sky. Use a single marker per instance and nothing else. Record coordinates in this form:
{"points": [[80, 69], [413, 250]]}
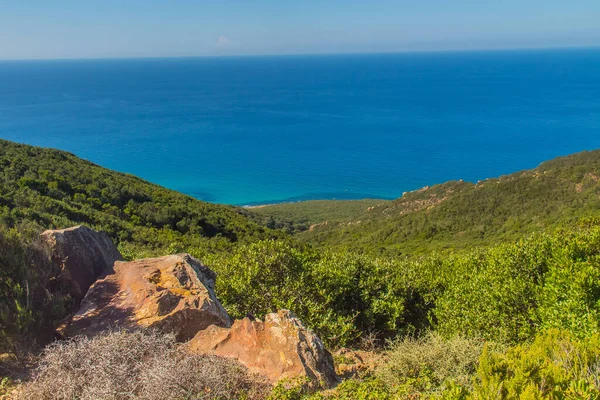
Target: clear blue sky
{"points": [[142, 28]]}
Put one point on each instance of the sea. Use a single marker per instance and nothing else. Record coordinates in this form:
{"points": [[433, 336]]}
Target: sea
{"points": [[269, 129]]}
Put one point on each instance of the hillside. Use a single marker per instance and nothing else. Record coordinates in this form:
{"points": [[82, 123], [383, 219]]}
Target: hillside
{"points": [[503, 297], [305, 215], [55, 189], [457, 214]]}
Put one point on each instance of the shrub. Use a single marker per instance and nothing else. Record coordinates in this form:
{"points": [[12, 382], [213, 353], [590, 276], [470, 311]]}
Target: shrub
{"points": [[430, 365], [340, 295], [493, 293], [508, 292], [141, 365], [570, 298], [554, 366], [6, 387]]}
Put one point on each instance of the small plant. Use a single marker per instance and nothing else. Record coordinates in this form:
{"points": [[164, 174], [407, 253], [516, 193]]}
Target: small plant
{"points": [[288, 390], [5, 387], [149, 366]]}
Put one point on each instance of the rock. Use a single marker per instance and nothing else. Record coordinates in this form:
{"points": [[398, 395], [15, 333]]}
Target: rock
{"points": [[351, 363], [174, 294], [278, 348], [81, 255]]}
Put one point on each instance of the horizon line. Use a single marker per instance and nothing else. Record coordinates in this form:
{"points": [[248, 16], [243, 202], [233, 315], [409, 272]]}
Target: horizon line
{"points": [[248, 55]]}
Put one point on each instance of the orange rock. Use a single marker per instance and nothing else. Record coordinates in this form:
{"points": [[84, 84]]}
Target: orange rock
{"points": [[81, 255], [278, 348], [174, 294]]}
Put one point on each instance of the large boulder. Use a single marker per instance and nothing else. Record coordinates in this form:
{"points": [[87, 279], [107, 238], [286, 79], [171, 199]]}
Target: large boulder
{"points": [[81, 255], [174, 294], [278, 348]]}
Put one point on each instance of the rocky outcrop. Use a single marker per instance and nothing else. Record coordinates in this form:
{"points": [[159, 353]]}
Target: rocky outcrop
{"points": [[174, 294], [279, 348], [81, 255]]}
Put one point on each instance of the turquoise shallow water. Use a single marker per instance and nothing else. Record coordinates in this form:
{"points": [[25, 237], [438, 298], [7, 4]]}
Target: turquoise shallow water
{"points": [[247, 130]]}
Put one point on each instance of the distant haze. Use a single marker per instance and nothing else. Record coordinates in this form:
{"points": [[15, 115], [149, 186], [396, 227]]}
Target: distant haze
{"points": [[158, 28]]}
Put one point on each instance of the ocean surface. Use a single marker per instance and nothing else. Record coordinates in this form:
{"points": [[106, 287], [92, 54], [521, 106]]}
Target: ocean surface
{"points": [[253, 130]]}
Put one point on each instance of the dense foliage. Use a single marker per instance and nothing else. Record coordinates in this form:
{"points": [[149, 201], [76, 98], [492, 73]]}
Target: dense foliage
{"points": [[506, 293], [55, 189], [341, 295]]}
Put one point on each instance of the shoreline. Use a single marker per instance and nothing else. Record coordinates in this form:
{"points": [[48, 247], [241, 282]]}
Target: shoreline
{"points": [[250, 206], [253, 206], [260, 205]]}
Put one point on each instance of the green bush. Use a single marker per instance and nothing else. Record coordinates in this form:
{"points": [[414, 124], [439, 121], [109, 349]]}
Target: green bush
{"points": [[493, 293], [570, 297], [340, 295], [509, 292], [365, 388], [360, 389], [554, 366], [506, 293]]}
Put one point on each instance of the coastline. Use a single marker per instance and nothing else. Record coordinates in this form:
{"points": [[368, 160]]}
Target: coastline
{"points": [[260, 205], [264, 205], [251, 206]]}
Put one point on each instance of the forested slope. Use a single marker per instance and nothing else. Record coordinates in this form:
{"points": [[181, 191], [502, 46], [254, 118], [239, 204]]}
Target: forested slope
{"points": [[56, 189], [461, 215]]}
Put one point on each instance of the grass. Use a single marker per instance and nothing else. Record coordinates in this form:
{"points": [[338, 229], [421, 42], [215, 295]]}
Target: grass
{"points": [[300, 216]]}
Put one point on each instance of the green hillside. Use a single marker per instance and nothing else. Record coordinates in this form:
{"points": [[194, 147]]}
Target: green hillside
{"points": [[301, 216], [55, 189], [456, 215], [500, 298]]}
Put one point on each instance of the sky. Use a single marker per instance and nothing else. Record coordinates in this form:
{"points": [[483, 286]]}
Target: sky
{"points": [[42, 29]]}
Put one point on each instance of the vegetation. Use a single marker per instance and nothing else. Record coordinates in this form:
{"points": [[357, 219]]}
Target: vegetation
{"points": [[506, 293], [430, 365], [460, 215], [340, 295], [120, 365], [55, 189], [300, 216], [555, 366], [486, 291], [30, 302]]}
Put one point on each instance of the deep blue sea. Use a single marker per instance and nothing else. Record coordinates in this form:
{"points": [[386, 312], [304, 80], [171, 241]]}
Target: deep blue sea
{"points": [[248, 130]]}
